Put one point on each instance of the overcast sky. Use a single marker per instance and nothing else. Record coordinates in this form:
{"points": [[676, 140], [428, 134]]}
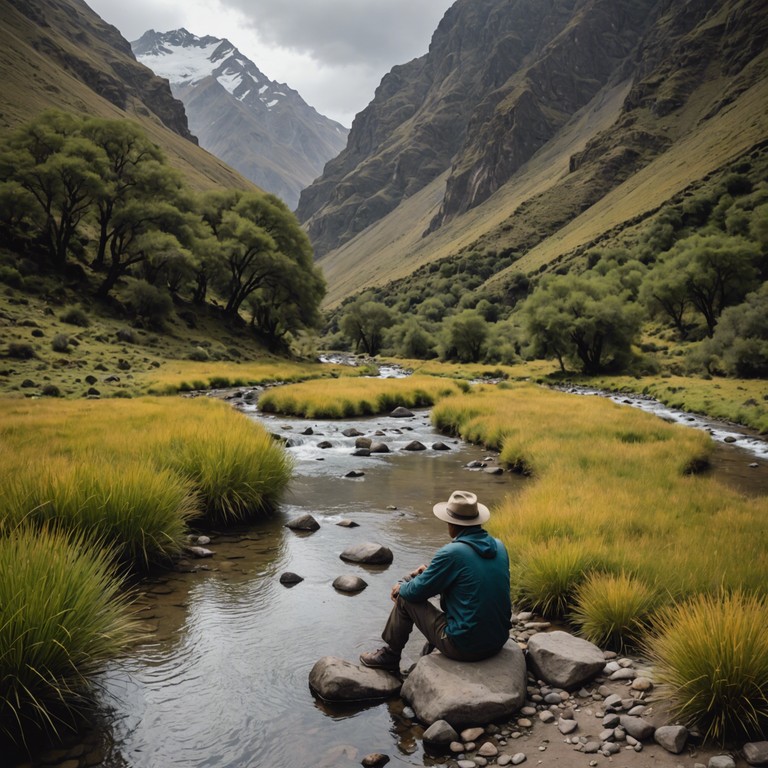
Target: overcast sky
{"points": [[333, 52]]}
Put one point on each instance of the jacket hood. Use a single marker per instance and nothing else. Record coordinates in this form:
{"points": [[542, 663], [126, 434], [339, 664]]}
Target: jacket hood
{"points": [[479, 539]]}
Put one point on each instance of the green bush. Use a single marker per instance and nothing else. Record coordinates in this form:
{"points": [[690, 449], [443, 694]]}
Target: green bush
{"points": [[63, 613], [711, 659], [21, 351], [60, 343], [11, 276], [150, 304], [76, 316]]}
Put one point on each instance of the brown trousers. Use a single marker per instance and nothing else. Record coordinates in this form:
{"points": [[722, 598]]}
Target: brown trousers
{"points": [[430, 621]]}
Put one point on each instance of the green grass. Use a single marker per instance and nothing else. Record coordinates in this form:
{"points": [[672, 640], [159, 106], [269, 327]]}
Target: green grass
{"points": [[343, 398], [63, 613], [711, 657]]}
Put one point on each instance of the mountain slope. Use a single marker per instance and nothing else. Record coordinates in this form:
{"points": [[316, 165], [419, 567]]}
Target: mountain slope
{"points": [[60, 54], [262, 128], [564, 100]]}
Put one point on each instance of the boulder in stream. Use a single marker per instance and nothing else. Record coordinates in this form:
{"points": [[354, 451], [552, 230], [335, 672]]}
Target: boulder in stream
{"points": [[401, 413], [369, 553], [349, 583], [335, 679], [440, 446], [363, 442], [303, 523], [351, 432], [290, 579], [466, 693], [379, 447], [415, 445]]}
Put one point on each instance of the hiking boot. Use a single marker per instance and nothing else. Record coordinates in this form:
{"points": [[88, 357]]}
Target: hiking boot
{"points": [[382, 658]]}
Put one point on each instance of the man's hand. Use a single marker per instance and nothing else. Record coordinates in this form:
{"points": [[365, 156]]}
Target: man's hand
{"points": [[395, 592], [418, 570]]}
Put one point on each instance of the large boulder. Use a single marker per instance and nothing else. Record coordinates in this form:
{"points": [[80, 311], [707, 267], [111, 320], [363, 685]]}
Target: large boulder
{"points": [[466, 693], [401, 413], [369, 553], [303, 523], [563, 660], [335, 679]]}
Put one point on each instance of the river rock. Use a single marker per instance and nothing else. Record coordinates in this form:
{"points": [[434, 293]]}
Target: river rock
{"points": [[563, 660], [637, 727], [374, 760], [354, 473], [415, 445], [756, 752], [363, 442], [289, 579], [401, 413], [361, 452], [493, 471], [348, 524], [351, 432], [721, 761], [440, 446], [440, 734], [379, 447], [335, 679], [671, 737], [465, 693], [308, 431], [325, 444], [303, 523], [349, 583], [198, 551], [368, 552]]}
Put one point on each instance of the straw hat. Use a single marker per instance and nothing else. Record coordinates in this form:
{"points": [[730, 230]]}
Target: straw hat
{"points": [[462, 509]]}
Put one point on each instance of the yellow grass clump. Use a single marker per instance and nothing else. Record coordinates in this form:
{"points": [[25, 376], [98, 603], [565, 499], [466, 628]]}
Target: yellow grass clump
{"points": [[340, 398]]}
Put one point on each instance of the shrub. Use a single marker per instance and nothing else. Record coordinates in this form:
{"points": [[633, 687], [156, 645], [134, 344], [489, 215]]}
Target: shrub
{"points": [[21, 351], [150, 304], [613, 610], [11, 276], [199, 355], [60, 342], [63, 613], [76, 316], [711, 659]]}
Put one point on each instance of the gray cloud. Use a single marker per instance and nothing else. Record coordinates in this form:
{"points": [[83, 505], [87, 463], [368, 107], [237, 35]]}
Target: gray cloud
{"points": [[337, 32]]}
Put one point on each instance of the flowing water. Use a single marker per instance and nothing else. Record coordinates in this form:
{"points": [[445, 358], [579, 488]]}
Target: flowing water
{"points": [[223, 681]]}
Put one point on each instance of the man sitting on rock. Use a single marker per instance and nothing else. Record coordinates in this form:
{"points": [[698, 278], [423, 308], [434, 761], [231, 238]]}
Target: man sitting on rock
{"points": [[471, 575]]}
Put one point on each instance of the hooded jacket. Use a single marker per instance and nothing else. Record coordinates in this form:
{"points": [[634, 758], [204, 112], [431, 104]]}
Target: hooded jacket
{"points": [[471, 575]]}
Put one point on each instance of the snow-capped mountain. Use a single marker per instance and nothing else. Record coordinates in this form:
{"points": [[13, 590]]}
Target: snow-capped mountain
{"points": [[262, 128]]}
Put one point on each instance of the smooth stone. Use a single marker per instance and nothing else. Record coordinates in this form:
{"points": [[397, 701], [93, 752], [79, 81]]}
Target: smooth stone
{"points": [[379, 447], [494, 471], [361, 452], [671, 737], [368, 552], [351, 432], [335, 679], [440, 446], [466, 764], [504, 759], [354, 473], [465, 693], [303, 523], [348, 524], [518, 758], [610, 748], [524, 722], [721, 761], [457, 747], [637, 727], [610, 720], [563, 660], [567, 726], [441, 733], [415, 445], [546, 716], [325, 444], [756, 752], [348, 583], [624, 674], [471, 734], [198, 552], [592, 747], [289, 578], [401, 413], [363, 442], [489, 749]]}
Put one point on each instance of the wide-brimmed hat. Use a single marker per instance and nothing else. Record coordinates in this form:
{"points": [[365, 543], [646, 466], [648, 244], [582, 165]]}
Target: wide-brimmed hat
{"points": [[462, 508]]}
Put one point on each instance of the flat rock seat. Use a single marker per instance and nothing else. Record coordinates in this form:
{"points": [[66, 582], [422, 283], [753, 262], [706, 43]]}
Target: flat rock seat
{"points": [[467, 693]]}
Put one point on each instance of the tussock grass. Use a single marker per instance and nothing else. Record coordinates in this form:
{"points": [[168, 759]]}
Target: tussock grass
{"points": [[711, 657], [340, 398], [135, 471], [614, 610], [613, 480], [140, 509], [187, 375], [63, 612]]}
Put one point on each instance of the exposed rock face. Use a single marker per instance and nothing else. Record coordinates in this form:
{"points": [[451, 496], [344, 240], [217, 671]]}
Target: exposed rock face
{"points": [[262, 128], [335, 679], [464, 693], [502, 79], [564, 660]]}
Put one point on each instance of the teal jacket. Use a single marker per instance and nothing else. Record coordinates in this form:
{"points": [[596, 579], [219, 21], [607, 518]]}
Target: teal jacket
{"points": [[471, 575]]}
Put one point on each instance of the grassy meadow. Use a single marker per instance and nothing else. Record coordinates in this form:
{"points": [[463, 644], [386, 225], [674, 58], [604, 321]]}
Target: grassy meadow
{"points": [[340, 398], [616, 530]]}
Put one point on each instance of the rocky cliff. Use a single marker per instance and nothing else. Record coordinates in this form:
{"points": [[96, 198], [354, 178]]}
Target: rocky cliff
{"points": [[504, 81]]}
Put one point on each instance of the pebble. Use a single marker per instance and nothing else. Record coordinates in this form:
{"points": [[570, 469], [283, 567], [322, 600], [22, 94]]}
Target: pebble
{"points": [[641, 684], [546, 716], [567, 726], [524, 722], [466, 764], [518, 757], [472, 734], [456, 747], [488, 749], [409, 713]]}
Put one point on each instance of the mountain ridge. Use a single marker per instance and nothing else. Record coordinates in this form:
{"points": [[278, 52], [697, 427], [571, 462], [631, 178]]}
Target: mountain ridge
{"points": [[262, 128]]}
